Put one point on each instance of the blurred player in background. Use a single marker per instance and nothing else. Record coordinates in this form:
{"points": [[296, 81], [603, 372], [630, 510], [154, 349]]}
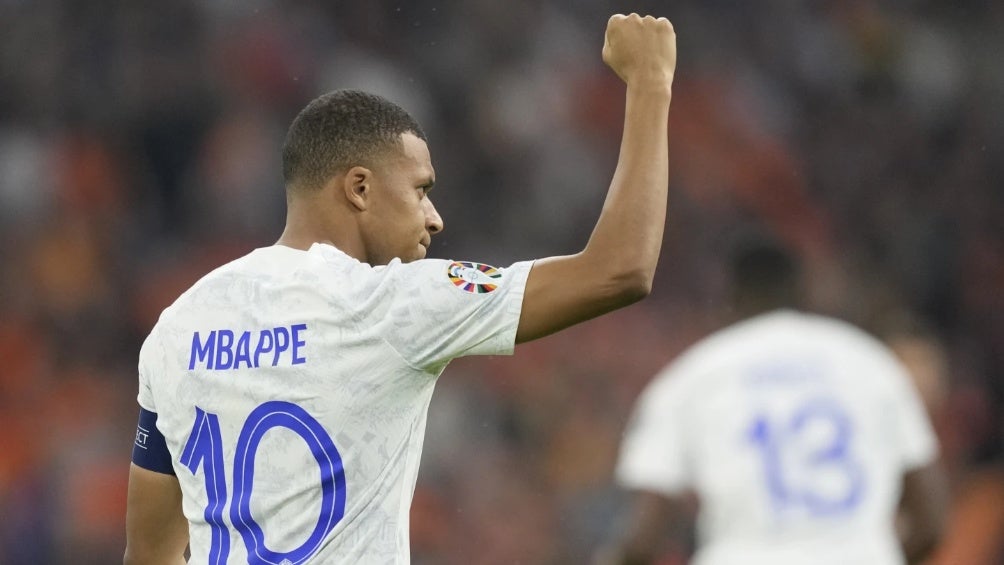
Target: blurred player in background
{"points": [[284, 396], [802, 437]]}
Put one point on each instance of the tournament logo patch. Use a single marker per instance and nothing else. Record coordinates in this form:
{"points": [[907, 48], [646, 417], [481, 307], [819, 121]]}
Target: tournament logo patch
{"points": [[475, 278]]}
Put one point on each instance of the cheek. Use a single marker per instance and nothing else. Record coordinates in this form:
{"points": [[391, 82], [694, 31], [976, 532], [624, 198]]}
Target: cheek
{"points": [[406, 204], [403, 212], [404, 220], [416, 212]]}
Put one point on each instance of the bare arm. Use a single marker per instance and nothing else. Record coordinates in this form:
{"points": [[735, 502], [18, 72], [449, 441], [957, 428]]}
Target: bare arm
{"points": [[924, 509], [642, 533], [617, 266], [156, 528]]}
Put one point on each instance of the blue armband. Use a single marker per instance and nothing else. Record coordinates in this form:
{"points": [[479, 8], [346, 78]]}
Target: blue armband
{"points": [[150, 448]]}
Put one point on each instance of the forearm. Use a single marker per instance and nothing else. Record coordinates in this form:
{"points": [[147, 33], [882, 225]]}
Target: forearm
{"points": [[628, 234], [617, 265]]}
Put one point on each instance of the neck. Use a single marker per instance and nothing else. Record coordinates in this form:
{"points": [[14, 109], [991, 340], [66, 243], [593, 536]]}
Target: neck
{"points": [[309, 221]]}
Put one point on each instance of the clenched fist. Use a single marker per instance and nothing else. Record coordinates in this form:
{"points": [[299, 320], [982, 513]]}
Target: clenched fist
{"points": [[641, 50]]}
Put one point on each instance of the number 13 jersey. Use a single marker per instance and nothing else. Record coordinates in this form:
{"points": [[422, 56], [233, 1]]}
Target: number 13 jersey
{"points": [[794, 431], [292, 389]]}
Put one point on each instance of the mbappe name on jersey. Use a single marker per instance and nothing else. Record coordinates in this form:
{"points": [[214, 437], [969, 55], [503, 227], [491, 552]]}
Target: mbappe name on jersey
{"points": [[227, 349]]}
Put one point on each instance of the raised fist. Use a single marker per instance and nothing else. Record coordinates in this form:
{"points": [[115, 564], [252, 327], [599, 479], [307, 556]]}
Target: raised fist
{"points": [[641, 50]]}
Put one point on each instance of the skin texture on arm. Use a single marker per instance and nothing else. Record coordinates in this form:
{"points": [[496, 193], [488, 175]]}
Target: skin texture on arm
{"points": [[156, 528], [618, 264], [924, 509]]}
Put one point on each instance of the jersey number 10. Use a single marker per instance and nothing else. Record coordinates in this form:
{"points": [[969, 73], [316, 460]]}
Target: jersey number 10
{"points": [[800, 469], [205, 448]]}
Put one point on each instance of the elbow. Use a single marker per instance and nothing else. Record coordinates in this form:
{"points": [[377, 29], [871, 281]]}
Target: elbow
{"points": [[633, 285]]}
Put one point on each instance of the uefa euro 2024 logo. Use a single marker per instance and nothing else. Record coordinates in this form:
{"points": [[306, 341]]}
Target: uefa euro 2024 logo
{"points": [[475, 278]]}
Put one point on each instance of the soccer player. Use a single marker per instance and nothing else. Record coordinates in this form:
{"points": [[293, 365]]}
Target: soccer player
{"points": [[284, 396], [801, 436]]}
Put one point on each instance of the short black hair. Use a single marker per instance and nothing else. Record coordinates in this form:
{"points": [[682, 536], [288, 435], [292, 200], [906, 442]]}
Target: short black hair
{"points": [[340, 130], [763, 273]]}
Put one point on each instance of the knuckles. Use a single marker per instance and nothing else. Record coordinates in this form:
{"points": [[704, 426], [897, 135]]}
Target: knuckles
{"points": [[620, 22], [632, 40]]}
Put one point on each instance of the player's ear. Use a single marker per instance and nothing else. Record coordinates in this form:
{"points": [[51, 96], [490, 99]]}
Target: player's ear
{"points": [[357, 185]]}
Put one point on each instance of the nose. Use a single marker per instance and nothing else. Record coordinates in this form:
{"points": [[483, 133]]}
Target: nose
{"points": [[433, 221]]}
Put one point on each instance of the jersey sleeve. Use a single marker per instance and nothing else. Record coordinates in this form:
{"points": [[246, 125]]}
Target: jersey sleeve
{"points": [[432, 311], [149, 447], [653, 453], [145, 395]]}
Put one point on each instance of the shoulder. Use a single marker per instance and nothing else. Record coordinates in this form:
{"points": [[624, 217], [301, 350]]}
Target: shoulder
{"points": [[695, 367], [767, 334], [426, 277], [791, 326], [725, 347], [863, 358], [333, 261], [208, 283]]}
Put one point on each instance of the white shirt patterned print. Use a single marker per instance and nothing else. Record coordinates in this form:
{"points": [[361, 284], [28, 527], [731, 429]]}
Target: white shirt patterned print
{"points": [[292, 388], [794, 431]]}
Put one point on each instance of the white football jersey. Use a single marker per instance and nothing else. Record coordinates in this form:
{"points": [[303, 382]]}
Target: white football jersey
{"points": [[292, 389], [794, 431]]}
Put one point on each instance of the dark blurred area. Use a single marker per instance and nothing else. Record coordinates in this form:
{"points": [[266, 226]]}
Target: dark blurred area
{"points": [[139, 149]]}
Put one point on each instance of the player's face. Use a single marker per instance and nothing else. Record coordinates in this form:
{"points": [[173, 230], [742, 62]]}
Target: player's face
{"points": [[404, 218]]}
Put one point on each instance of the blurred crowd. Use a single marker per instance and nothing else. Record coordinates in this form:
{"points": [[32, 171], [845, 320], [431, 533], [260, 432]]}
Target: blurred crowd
{"points": [[139, 148]]}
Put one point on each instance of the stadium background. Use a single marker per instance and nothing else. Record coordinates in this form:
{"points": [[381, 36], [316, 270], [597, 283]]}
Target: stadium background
{"points": [[139, 147]]}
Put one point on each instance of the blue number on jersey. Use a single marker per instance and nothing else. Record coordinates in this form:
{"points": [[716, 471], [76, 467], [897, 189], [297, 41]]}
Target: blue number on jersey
{"points": [[775, 442], [204, 446]]}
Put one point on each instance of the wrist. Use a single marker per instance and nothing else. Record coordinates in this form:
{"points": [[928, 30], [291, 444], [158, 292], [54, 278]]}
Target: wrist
{"points": [[651, 88]]}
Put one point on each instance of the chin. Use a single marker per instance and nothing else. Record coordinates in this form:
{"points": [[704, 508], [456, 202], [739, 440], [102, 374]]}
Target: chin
{"points": [[413, 256]]}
